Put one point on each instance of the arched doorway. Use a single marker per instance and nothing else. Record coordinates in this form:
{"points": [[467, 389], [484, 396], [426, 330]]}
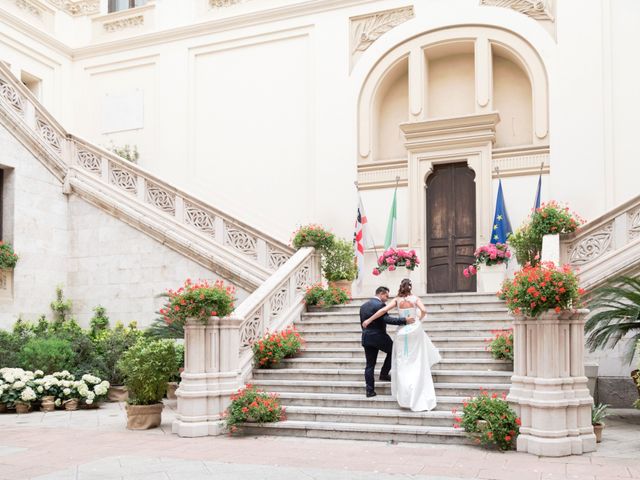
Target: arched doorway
{"points": [[451, 227]]}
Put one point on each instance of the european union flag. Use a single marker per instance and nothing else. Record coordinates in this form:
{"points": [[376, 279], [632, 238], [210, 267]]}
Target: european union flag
{"points": [[501, 225]]}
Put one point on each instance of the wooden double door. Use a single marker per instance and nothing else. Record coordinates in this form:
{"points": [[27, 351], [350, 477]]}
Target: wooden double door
{"points": [[451, 228]]}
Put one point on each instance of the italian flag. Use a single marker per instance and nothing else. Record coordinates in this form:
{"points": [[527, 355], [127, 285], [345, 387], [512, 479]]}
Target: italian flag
{"points": [[391, 238]]}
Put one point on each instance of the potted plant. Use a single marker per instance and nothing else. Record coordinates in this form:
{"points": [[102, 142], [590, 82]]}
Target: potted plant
{"points": [[598, 413], [172, 386], [490, 265], [501, 345], [8, 260], [273, 347], [489, 421], [338, 265], [393, 258], [198, 301], [317, 295], [91, 390], [313, 236], [18, 388], [147, 368], [252, 405]]}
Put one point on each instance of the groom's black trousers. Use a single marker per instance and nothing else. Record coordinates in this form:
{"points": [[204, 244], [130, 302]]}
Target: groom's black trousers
{"points": [[383, 343]]}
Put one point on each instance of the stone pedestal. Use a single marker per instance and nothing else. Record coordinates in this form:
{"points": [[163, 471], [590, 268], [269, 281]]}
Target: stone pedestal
{"points": [[550, 249], [549, 388], [490, 278], [211, 374]]}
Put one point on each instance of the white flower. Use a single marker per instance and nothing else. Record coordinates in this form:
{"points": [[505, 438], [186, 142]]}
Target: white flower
{"points": [[28, 394], [40, 389], [90, 379], [66, 391], [18, 385], [38, 373], [58, 402], [9, 378], [89, 401]]}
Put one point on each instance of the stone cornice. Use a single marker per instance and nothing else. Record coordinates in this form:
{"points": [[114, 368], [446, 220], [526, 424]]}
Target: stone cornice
{"points": [[77, 7]]}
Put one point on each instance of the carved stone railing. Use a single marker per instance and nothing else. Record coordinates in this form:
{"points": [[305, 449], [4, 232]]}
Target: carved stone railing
{"points": [[605, 247], [218, 357], [72, 160]]}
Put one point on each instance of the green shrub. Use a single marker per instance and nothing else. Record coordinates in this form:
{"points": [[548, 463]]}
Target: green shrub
{"points": [[110, 345], [147, 367], [179, 361], [325, 297], [252, 405], [8, 258], [200, 301], [47, 354], [501, 346], [10, 346], [314, 236], [338, 262], [273, 347], [99, 322], [61, 307]]}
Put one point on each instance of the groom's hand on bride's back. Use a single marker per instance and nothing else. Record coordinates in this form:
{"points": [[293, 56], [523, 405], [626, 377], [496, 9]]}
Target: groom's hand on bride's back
{"points": [[410, 320]]}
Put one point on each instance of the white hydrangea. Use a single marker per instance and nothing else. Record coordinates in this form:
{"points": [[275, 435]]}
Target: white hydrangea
{"points": [[67, 391], [57, 402], [38, 373], [28, 395], [90, 379], [40, 389], [18, 385], [89, 401]]}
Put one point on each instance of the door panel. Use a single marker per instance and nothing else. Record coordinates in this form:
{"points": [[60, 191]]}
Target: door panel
{"points": [[451, 228]]}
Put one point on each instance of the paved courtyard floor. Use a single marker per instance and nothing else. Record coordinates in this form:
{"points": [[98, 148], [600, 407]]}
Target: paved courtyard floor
{"points": [[95, 445]]}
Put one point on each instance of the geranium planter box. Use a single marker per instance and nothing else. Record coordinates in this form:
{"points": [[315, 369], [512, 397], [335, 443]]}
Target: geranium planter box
{"points": [[549, 388], [490, 278]]}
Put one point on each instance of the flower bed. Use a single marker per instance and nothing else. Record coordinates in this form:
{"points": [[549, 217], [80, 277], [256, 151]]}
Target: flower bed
{"points": [[199, 300], [312, 236], [501, 345], [317, 295], [273, 347], [536, 289], [392, 259], [489, 255], [252, 405], [489, 420]]}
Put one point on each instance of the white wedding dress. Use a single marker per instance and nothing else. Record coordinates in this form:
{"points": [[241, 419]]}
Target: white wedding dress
{"points": [[413, 357]]}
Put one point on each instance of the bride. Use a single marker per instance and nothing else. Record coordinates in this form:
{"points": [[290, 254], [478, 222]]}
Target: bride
{"points": [[413, 353]]}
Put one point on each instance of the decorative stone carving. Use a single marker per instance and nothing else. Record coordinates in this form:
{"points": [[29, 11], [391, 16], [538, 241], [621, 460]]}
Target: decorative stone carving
{"points": [[366, 29], [49, 135], [12, 97], [160, 198], [123, 179], [30, 7], [124, 23], [279, 301], [223, 3], [200, 219], [634, 224], [303, 278], [90, 162], [252, 329], [6, 283], [277, 258], [78, 7], [241, 241], [536, 9], [595, 245]]}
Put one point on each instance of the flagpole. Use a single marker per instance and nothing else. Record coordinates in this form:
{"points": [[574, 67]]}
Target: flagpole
{"points": [[370, 234]]}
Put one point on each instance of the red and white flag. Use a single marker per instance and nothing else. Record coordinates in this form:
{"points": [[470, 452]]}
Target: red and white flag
{"points": [[360, 239]]}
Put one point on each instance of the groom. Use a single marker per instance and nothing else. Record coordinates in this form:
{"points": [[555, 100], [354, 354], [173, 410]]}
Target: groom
{"points": [[375, 337]]}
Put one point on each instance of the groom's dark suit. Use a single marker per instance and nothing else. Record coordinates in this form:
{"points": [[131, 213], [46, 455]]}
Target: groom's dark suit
{"points": [[375, 338]]}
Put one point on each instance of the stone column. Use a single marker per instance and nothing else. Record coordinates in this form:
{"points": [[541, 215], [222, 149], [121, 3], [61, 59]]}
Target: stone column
{"points": [[549, 389]]}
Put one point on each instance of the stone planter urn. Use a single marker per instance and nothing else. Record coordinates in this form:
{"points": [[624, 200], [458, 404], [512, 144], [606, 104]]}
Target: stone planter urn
{"points": [[118, 393], [490, 277], [144, 417], [23, 407], [71, 404], [597, 429], [48, 404], [551, 249], [549, 388]]}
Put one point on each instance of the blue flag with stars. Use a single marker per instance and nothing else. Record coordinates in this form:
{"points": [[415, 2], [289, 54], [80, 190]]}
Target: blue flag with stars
{"points": [[501, 225]]}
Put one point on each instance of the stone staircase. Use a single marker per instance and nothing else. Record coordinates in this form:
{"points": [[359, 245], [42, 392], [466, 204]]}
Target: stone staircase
{"points": [[323, 388]]}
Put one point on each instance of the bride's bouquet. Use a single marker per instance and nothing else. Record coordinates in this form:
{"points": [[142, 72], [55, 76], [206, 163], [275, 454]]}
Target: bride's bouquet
{"points": [[394, 258]]}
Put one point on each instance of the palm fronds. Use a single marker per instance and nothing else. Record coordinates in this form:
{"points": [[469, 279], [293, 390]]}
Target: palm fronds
{"points": [[616, 308]]}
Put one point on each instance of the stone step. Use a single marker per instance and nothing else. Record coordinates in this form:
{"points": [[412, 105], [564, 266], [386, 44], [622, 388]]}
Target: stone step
{"points": [[357, 374], [391, 416], [441, 298], [354, 317], [353, 341], [383, 388], [358, 352], [358, 400], [353, 325], [482, 332], [444, 364], [430, 307], [359, 431]]}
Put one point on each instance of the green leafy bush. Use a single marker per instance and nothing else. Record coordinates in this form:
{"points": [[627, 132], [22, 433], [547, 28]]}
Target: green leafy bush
{"points": [[10, 346], [61, 307], [147, 367], [47, 354], [338, 262], [273, 347], [252, 405], [317, 295], [551, 218], [501, 345], [111, 344], [8, 258], [489, 421], [99, 322], [200, 301], [526, 246], [313, 236]]}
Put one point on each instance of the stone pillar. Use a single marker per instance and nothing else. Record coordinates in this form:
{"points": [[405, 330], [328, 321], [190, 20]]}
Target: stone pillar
{"points": [[211, 375], [549, 388]]}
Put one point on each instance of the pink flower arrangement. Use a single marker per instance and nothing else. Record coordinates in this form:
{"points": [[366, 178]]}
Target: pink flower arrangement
{"points": [[492, 254], [393, 258]]}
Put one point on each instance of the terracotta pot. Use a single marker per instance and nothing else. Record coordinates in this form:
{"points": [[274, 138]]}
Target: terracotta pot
{"points": [[171, 390], [48, 404], [343, 284], [89, 406], [23, 407], [597, 429], [3, 408], [143, 417], [70, 404], [118, 393]]}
